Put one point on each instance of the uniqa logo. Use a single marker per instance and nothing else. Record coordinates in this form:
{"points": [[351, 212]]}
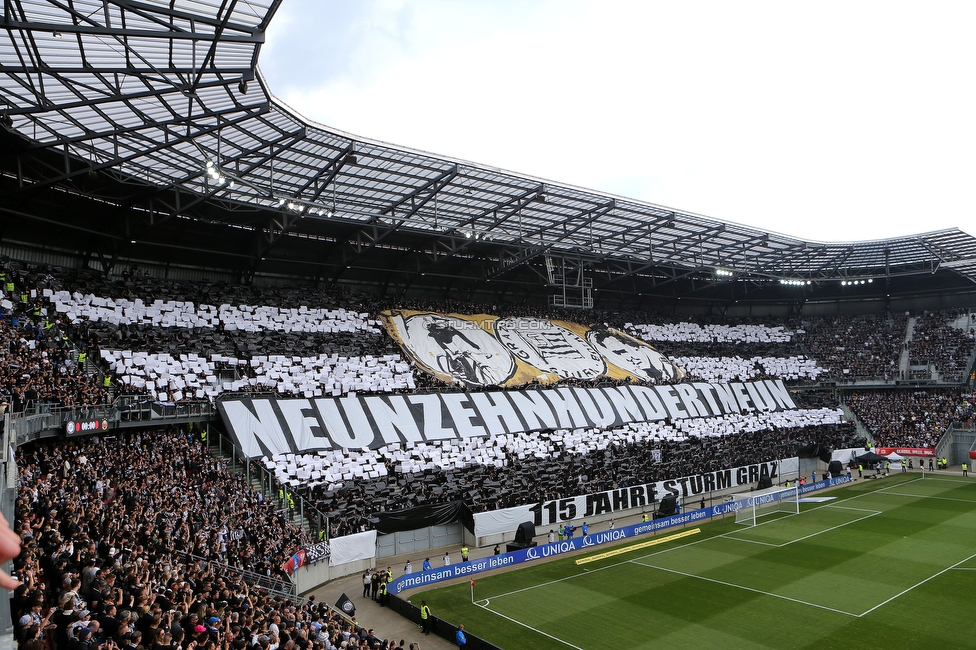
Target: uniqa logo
{"points": [[556, 549]]}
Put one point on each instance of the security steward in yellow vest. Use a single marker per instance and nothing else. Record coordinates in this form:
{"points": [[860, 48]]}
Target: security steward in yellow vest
{"points": [[424, 617]]}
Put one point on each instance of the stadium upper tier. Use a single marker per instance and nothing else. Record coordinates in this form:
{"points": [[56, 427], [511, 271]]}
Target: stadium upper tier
{"points": [[158, 116], [160, 340], [171, 341]]}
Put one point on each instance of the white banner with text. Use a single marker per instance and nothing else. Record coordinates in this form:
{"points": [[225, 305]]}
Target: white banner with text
{"points": [[269, 426]]}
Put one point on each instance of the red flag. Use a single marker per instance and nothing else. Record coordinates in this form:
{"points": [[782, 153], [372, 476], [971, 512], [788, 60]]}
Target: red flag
{"points": [[472, 583]]}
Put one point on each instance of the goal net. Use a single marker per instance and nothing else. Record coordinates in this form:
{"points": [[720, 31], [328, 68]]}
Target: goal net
{"points": [[767, 502]]}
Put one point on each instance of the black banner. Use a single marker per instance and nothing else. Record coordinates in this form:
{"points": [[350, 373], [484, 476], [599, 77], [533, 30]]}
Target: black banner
{"points": [[423, 516]]}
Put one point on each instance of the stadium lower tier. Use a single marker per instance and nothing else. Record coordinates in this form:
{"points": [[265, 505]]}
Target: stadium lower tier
{"points": [[351, 487]]}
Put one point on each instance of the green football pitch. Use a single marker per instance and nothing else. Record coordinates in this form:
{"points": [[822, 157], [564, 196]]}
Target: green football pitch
{"points": [[884, 564]]}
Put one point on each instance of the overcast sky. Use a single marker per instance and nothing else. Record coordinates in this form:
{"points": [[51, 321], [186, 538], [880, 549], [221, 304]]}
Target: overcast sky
{"points": [[832, 121]]}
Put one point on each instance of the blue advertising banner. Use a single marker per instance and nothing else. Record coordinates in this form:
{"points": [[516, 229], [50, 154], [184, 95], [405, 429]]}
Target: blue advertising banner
{"points": [[490, 563]]}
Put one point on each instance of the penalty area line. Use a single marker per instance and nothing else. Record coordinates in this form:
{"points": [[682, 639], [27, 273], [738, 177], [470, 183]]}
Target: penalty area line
{"points": [[743, 587], [919, 584], [930, 496]]}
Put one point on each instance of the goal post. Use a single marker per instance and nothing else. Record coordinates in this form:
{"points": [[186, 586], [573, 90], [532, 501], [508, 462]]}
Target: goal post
{"points": [[767, 502]]}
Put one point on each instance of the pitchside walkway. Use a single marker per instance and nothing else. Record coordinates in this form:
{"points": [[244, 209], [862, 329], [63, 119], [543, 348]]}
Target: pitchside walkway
{"points": [[390, 625]]}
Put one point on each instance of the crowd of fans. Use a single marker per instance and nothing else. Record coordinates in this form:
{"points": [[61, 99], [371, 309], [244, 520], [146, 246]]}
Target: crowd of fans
{"points": [[856, 347], [39, 358], [127, 543], [911, 418], [937, 342]]}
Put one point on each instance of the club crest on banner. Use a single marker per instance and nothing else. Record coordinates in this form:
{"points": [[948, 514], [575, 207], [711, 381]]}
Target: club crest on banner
{"points": [[550, 348]]}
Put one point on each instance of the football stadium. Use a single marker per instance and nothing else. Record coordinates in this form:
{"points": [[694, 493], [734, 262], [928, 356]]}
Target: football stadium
{"points": [[268, 385]]}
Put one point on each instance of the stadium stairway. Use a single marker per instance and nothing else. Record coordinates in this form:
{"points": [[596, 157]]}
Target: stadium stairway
{"points": [[261, 482], [904, 362], [862, 430]]}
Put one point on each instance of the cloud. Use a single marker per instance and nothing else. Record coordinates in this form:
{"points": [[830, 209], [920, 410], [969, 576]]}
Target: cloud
{"points": [[831, 122]]}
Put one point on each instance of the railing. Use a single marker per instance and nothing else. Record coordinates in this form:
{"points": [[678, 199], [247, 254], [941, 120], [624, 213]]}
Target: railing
{"points": [[31, 423], [275, 586]]}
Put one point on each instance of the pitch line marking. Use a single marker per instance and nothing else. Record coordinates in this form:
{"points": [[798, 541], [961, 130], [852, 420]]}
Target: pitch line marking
{"points": [[525, 625], [951, 480], [877, 512], [758, 591], [926, 496], [697, 541], [898, 595], [874, 513]]}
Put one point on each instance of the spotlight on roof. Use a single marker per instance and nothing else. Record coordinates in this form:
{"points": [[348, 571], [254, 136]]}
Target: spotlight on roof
{"points": [[242, 87], [214, 172], [56, 34], [351, 159]]}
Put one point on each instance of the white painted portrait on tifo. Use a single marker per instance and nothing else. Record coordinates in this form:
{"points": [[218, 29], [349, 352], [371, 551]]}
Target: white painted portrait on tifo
{"points": [[459, 348], [633, 356]]}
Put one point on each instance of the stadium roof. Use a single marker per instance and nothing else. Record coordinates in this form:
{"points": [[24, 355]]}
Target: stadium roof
{"points": [[157, 108]]}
